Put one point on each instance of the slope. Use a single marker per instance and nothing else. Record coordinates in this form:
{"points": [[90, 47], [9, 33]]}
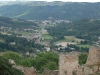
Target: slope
{"points": [[52, 10]]}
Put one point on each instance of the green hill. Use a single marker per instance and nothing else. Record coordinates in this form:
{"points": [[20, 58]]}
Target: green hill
{"points": [[51, 10], [88, 29], [15, 23]]}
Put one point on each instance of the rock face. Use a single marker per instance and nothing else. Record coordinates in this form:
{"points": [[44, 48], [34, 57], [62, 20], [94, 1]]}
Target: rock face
{"points": [[68, 63], [12, 62], [94, 56]]}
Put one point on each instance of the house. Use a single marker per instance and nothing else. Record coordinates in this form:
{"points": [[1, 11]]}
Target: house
{"points": [[12, 43], [27, 53], [47, 48], [36, 37]]}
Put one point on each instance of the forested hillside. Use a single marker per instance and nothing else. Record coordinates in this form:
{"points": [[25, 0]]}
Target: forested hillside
{"points": [[53, 10], [15, 23], [88, 29]]}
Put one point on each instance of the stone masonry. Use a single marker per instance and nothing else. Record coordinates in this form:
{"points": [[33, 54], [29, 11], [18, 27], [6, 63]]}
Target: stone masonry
{"points": [[94, 56], [68, 63]]}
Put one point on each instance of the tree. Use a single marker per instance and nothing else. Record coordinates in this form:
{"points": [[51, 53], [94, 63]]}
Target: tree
{"points": [[7, 69], [82, 58], [51, 65]]}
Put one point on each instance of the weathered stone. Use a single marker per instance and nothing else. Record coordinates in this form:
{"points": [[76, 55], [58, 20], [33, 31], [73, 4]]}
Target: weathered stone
{"points": [[27, 70], [94, 56], [68, 63], [50, 72], [12, 62], [95, 69]]}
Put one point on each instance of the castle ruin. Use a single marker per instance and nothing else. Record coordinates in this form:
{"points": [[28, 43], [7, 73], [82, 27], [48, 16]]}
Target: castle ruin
{"points": [[69, 65], [94, 56]]}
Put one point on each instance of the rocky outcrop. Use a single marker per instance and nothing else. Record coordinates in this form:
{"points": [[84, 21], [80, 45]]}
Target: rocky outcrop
{"points": [[12, 62], [32, 70], [27, 70]]}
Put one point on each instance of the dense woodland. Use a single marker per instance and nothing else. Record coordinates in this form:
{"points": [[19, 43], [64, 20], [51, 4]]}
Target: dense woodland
{"points": [[16, 23], [87, 29], [38, 11], [21, 44]]}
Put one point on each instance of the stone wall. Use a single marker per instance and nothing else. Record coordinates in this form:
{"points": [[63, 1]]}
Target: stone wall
{"points": [[94, 56], [68, 63]]}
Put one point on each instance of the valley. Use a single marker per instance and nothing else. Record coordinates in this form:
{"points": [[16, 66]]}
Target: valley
{"points": [[43, 38]]}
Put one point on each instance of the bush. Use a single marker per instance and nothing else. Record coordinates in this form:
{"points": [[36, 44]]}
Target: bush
{"points": [[13, 56], [7, 69], [82, 58]]}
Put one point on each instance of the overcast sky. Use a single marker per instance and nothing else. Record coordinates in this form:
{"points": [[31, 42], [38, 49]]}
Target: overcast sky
{"points": [[58, 0]]}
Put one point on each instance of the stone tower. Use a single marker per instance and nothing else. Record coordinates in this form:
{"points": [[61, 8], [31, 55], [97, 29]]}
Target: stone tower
{"points": [[68, 63], [94, 56]]}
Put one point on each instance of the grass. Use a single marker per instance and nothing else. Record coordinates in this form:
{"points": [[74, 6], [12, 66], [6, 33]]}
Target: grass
{"points": [[70, 39], [46, 36], [1, 40], [45, 32], [73, 38], [84, 45], [24, 33]]}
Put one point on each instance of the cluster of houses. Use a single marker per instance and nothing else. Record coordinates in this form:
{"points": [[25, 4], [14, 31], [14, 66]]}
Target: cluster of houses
{"points": [[63, 45], [97, 43], [37, 37], [46, 22], [2, 28]]}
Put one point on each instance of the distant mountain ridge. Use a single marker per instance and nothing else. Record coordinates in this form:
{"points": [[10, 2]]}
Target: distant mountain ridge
{"points": [[51, 10]]}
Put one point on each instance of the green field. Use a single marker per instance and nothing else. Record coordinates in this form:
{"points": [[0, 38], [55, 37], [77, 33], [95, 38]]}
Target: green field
{"points": [[47, 36], [84, 45], [70, 39], [1, 40], [24, 33]]}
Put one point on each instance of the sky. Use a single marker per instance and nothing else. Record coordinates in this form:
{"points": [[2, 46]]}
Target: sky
{"points": [[58, 0]]}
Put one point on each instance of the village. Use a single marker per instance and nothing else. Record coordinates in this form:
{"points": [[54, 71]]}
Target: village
{"points": [[41, 36], [34, 34]]}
